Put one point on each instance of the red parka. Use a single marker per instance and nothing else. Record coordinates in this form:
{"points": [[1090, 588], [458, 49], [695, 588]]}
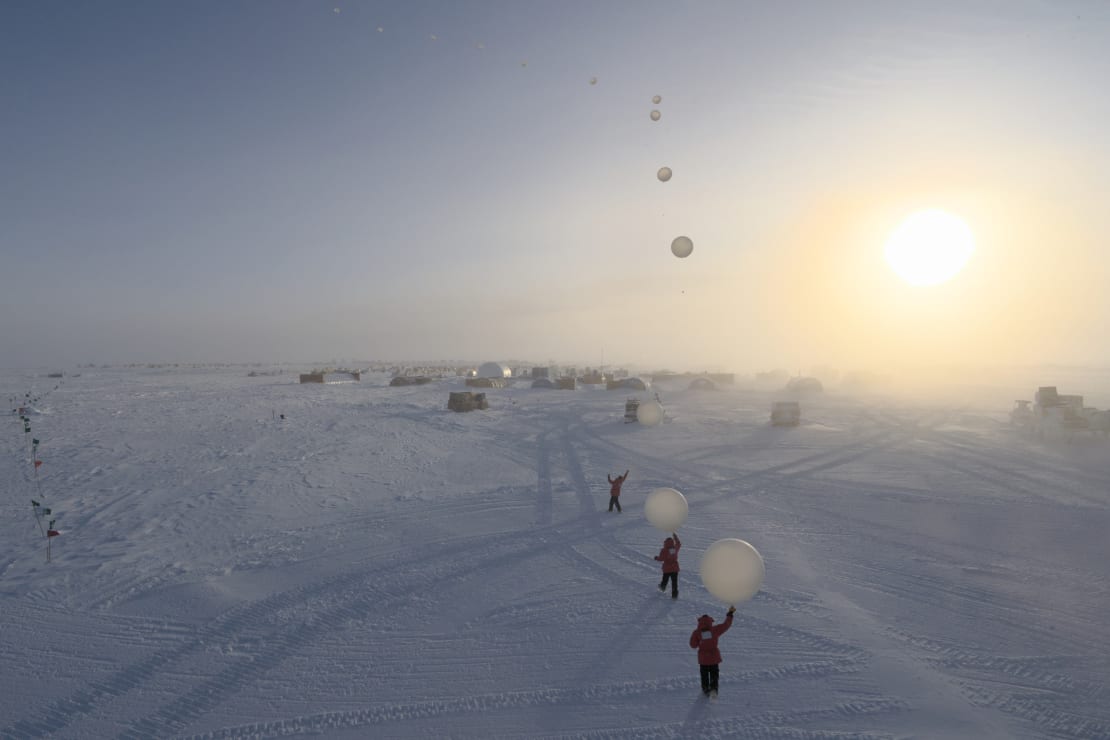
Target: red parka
{"points": [[615, 488], [669, 554], [704, 639]]}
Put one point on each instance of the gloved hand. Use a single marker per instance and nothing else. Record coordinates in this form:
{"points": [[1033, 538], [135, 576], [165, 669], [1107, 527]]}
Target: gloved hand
{"points": [[731, 610]]}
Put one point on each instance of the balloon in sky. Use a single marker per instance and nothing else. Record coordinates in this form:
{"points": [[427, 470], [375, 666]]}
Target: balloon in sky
{"points": [[649, 413], [655, 115], [664, 174], [682, 246], [593, 80], [666, 509], [657, 99], [732, 570]]}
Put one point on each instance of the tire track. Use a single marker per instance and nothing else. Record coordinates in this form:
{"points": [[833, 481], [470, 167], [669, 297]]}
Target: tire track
{"points": [[1009, 478], [510, 548], [544, 499], [608, 543], [505, 701]]}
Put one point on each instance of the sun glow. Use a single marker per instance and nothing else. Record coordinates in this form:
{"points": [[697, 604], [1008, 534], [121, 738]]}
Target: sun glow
{"points": [[929, 247]]}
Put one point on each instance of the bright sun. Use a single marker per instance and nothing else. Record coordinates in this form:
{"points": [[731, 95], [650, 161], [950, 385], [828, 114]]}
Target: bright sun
{"points": [[929, 247]]}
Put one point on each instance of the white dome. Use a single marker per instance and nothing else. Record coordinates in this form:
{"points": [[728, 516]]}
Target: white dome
{"points": [[494, 370]]}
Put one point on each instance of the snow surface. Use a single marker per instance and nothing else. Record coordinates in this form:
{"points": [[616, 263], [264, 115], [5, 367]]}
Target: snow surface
{"points": [[377, 566]]}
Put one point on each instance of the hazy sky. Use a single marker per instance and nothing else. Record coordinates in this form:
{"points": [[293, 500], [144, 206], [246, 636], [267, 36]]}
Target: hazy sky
{"points": [[272, 180]]}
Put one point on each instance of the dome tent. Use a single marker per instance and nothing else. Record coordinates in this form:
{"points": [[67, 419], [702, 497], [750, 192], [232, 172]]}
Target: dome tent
{"points": [[493, 370]]}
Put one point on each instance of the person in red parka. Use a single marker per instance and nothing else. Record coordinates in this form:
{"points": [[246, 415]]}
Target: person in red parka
{"points": [[704, 640], [669, 557], [615, 490]]}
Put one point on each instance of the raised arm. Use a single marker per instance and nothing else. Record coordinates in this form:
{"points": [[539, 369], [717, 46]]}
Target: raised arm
{"points": [[722, 628]]}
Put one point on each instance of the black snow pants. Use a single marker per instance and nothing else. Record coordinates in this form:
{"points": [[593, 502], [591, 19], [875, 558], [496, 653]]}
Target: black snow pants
{"points": [[615, 501], [673, 577], [709, 676]]}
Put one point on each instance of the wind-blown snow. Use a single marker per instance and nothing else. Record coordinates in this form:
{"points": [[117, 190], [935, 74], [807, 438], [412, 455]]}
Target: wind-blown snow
{"points": [[377, 566]]}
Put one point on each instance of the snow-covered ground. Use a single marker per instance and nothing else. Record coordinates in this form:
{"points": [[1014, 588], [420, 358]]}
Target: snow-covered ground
{"points": [[376, 566]]}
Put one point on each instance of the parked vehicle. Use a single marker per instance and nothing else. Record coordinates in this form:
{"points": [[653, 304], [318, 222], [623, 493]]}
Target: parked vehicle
{"points": [[786, 414]]}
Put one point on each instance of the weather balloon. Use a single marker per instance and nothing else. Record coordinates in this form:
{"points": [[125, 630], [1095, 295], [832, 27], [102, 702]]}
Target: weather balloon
{"points": [[666, 509], [682, 246], [657, 99], [664, 174], [655, 115], [732, 570], [649, 413]]}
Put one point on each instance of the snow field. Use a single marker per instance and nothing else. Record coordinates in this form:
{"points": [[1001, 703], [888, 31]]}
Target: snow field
{"points": [[375, 565]]}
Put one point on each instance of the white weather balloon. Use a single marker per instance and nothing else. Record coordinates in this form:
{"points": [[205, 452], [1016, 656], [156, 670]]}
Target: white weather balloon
{"points": [[649, 413], [666, 509], [682, 246], [657, 99], [655, 115], [664, 174], [732, 570], [593, 80]]}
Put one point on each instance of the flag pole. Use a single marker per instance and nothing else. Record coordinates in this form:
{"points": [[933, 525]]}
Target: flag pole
{"points": [[38, 519]]}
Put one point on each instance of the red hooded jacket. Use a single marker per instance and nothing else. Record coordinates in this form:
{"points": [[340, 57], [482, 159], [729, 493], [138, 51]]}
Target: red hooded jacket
{"points": [[704, 639], [669, 554], [615, 489]]}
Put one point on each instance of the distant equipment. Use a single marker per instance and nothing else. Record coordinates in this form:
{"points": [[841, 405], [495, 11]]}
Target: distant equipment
{"points": [[1021, 415], [804, 385], [786, 414], [1057, 414], [467, 401], [332, 377], [627, 384], [403, 380], [487, 382]]}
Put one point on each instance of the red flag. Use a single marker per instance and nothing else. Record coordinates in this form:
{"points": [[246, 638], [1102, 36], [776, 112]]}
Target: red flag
{"points": [[38, 463], [52, 533]]}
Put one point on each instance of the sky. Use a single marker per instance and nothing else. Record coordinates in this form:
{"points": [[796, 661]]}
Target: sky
{"points": [[287, 181]]}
